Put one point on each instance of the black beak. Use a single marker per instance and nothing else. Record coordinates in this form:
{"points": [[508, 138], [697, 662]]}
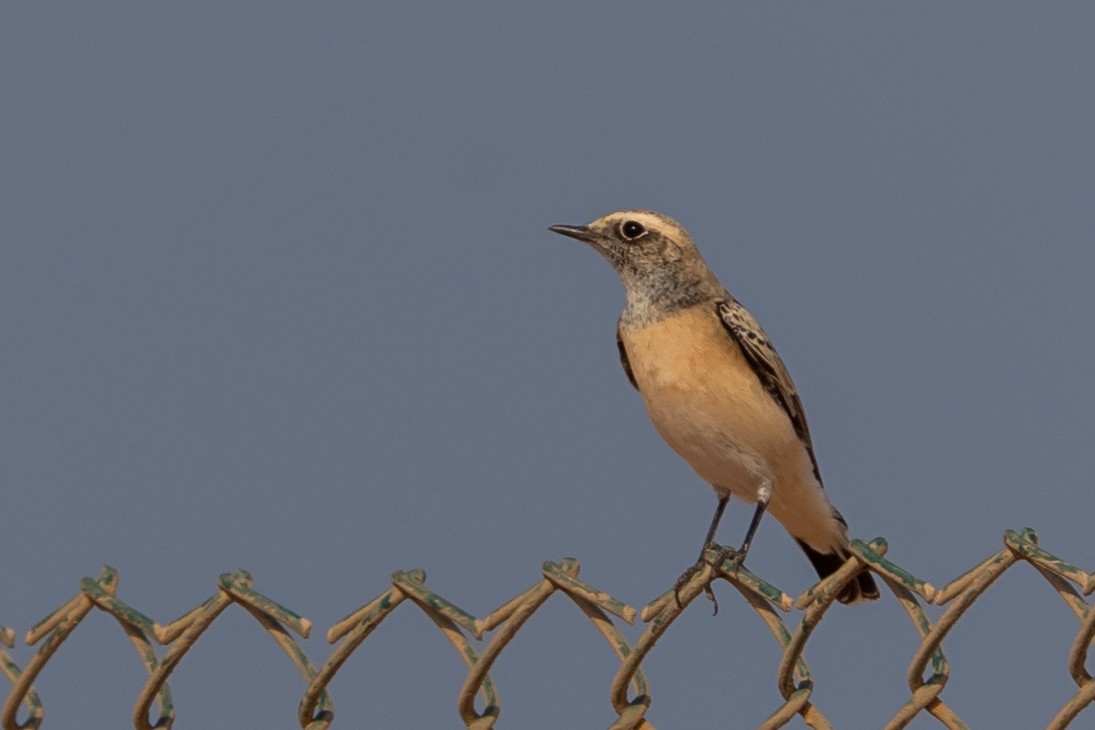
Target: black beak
{"points": [[582, 233]]}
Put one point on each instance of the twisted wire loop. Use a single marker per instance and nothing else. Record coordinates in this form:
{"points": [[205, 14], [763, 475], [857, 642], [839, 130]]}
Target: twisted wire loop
{"points": [[629, 692], [356, 627], [450, 619], [1061, 576], [562, 578], [22, 692], [184, 632], [94, 593], [762, 598]]}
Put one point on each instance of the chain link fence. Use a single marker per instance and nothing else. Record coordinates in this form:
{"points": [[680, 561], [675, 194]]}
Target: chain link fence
{"points": [[927, 675]]}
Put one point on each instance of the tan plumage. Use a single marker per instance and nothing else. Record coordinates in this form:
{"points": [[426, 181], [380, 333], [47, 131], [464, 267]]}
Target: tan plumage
{"points": [[715, 388]]}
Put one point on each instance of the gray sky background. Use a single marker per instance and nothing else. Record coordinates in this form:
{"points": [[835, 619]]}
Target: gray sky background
{"points": [[277, 293]]}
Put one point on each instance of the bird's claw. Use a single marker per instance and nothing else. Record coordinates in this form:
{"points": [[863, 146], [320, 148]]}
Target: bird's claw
{"points": [[737, 557], [722, 554], [686, 576]]}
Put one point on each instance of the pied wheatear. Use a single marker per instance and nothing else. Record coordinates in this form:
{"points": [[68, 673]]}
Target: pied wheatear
{"points": [[715, 388]]}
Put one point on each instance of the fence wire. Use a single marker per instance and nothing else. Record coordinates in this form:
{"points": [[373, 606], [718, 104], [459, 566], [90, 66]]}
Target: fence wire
{"points": [[927, 675]]}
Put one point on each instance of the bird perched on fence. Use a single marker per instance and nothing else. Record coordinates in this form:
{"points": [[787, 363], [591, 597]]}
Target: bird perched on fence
{"points": [[715, 388]]}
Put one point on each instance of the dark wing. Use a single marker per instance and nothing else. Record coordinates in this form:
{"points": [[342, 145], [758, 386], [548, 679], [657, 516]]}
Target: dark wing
{"points": [[623, 359], [758, 351]]}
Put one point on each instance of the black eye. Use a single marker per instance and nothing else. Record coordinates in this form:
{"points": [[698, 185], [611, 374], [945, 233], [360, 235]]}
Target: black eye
{"points": [[632, 230]]}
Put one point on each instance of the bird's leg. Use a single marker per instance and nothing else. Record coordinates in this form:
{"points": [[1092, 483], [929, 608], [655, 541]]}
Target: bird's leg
{"points": [[707, 542], [763, 495], [710, 539], [737, 557]]}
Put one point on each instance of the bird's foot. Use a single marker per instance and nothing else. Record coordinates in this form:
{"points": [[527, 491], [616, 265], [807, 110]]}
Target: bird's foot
{"points": [[722, 554], [737, 557], [686, 576]]}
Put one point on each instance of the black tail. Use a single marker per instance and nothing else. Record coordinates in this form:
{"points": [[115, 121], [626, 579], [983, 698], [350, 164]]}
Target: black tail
{"points": [[863, 588]]}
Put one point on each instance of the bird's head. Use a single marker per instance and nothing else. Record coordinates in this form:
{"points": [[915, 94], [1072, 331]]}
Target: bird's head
{"points": [[653, 254], [634, 241]]}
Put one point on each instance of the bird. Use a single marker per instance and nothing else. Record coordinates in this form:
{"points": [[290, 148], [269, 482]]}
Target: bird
{"points": [[716, 390]]}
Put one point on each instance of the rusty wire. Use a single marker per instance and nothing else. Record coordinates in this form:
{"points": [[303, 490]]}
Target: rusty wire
{"points": [[927, 675]]}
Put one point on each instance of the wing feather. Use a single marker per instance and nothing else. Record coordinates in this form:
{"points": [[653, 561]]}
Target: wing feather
{"points": [[624, 361], [768, 366]]}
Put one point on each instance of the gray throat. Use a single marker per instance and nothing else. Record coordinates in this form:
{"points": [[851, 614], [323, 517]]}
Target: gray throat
{"points": [[647, 304]]}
